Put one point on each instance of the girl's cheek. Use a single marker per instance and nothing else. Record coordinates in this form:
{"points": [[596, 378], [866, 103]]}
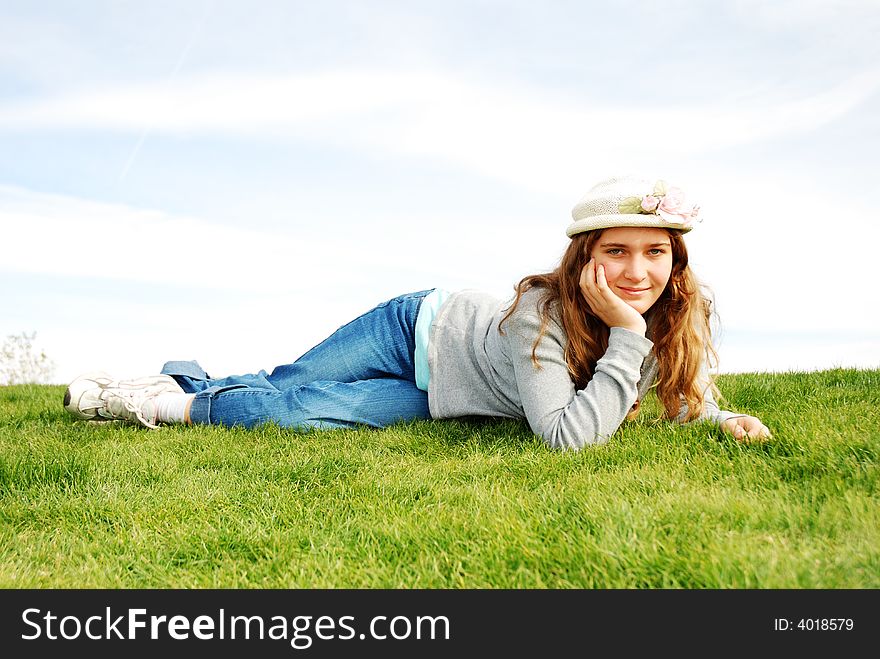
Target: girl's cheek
{"points": [[662, 274], [611, 271]]}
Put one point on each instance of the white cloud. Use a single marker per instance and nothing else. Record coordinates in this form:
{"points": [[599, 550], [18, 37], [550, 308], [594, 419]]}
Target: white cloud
{"points": [[43, 52], [799, 14], [72, 237], [527, 136], [747, 353], [782, 258], [63, 235]]}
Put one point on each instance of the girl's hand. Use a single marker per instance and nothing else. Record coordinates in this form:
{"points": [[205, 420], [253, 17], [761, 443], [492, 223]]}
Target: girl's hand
{"points": [[605, 303], [746, 428]]}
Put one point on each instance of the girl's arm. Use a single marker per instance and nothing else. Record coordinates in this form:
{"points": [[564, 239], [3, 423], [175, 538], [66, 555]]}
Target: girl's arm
{"points": [[566, 418], [741, 426], [562, 416]]}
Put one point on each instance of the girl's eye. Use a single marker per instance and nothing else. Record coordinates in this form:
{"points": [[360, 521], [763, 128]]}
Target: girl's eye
{"points": [[657, 251], [614, 251]]}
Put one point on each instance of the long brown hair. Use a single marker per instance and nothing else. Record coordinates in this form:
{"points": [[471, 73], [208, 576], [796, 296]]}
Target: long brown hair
{"points": [[678, 323]]}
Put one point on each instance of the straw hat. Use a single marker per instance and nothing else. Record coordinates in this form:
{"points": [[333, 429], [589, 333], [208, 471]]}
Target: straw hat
{"points": [[633, 201]]}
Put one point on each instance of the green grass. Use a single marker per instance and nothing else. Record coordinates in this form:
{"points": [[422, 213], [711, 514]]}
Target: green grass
{"points": [[449, 504]]}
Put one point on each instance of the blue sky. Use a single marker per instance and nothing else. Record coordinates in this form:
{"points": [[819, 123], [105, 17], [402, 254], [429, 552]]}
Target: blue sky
{"points": [[230, 181]]}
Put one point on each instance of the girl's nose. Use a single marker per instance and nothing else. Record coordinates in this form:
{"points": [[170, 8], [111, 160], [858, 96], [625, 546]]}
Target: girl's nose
{"points": [[635, 269]]}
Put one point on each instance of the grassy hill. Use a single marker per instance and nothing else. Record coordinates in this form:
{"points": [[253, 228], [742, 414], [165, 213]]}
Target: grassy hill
{"points": [[449, 504]]}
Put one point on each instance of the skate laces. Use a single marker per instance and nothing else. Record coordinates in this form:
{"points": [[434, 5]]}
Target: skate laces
{"points": [[132, 400]]}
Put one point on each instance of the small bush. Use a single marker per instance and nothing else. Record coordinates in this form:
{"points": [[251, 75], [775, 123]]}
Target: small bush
{"points": [[20, 364]]}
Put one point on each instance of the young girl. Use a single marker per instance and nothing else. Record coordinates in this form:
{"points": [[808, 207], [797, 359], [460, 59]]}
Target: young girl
{"points": [[574, 353]]}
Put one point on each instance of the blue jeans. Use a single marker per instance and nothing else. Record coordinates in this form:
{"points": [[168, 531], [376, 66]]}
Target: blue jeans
{"points": [[363, 374]]}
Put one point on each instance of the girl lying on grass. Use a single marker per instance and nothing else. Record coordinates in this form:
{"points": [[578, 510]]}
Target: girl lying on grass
{"points": [[573, 354]]}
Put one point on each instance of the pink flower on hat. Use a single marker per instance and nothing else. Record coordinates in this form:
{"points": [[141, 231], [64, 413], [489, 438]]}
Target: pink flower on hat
{"points": [[649, 203], [672, 208], [672, 201], [667, 203]]}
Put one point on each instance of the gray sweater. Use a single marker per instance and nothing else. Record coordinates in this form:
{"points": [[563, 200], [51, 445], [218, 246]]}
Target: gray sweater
{"points": [[475, 370]]}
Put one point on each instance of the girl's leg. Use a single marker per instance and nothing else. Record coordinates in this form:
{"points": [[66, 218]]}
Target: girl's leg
{"points": [[376, 402], [377, 344], [376, 348], [193, 379]]}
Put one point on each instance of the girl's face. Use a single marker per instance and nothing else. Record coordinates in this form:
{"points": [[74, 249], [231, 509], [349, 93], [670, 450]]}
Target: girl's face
{"points": [[638, 263]]}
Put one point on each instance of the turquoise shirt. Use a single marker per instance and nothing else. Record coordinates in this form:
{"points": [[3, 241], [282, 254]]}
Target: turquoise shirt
{"points": [[428, 309]]}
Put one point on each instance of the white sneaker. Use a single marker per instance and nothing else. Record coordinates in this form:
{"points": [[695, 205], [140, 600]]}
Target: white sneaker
{"points": [[98, 397]]}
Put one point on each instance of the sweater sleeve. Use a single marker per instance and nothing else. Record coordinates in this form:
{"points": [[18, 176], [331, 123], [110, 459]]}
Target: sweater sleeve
{"points": [[562, 416]]}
